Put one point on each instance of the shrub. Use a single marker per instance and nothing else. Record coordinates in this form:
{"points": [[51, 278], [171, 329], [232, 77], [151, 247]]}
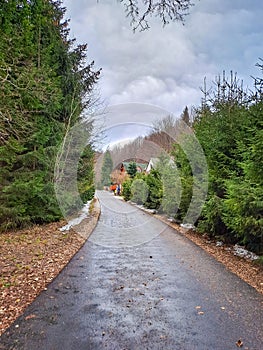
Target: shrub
{"points": [[126, 189], [211, 219], [139, 191], [155, 190]]}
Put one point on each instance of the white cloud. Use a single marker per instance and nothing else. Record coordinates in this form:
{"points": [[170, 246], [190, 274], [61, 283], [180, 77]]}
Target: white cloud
{"points": [[166, 67]]}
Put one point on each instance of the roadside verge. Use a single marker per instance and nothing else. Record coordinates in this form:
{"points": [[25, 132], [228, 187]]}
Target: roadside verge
{"points": [[31, 258], [247, 270]]}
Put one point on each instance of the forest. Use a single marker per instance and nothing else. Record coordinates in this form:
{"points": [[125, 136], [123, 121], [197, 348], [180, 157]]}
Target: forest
{"points": [[47, 86]]}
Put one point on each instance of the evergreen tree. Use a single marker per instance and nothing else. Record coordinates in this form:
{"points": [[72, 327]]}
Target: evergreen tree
{"points": [[171, 184], [86, 174], [132, 169], [139, 191], [126, 189], [183, 185], [106, 169], [185, 116], [243, 204], [44, 89], [155, 190], [229, 127]]}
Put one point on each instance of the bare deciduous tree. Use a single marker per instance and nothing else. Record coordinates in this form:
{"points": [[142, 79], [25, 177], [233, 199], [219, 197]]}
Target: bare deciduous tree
{"points": [[118, 176], [168, 11]]}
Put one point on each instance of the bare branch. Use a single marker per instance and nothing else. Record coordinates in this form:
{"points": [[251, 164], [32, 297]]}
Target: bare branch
{"points": [[166, 10]]}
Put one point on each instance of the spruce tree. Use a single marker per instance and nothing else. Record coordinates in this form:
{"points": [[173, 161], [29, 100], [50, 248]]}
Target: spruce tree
{"points": [[132, 169], [45, 87], [106, 169]]}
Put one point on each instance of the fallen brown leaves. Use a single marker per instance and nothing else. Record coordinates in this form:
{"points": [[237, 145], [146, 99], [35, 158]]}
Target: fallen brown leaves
{"points": [[239, 343], [29, 261], [247, 270]]}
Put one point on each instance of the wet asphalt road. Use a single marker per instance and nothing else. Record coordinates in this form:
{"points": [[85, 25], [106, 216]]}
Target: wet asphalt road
{"points": [[138, 284]]}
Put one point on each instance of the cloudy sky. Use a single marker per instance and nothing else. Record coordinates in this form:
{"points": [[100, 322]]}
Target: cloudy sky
{"points": [[165, 67]]}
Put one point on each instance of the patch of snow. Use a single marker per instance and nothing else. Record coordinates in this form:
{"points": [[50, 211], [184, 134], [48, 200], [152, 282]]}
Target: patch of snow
{"points": [[118, 197], [75, 221], [219, 244], [140, 206], [187, 226], [152, 211], [243, 253]]}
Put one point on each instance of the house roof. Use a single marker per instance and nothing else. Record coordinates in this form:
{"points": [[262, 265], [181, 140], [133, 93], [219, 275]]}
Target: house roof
{"points": [[154, 162]]}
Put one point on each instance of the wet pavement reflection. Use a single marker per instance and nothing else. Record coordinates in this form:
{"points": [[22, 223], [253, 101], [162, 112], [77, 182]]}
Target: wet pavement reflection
{"points": [[138, 284]]}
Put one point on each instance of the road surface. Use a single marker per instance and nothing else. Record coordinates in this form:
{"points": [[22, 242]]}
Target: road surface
{"points": [[137, 284]]}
